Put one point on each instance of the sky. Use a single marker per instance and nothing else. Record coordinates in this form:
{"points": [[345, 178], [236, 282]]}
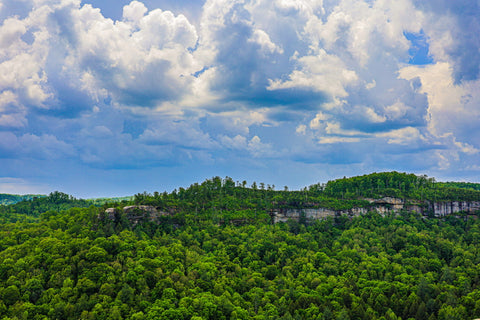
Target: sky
{"points": [[112, 98]]}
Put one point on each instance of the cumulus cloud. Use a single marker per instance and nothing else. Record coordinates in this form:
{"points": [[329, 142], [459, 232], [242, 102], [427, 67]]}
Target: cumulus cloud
{"points": [[318, 71], [453, 108], [261, 38], [404, 136], [291, 80], [21, 63], [141, 61], [453, 29], [134, 11], [179, 134], [254, 146], [43, 146], [11, 114], [337, 52]]}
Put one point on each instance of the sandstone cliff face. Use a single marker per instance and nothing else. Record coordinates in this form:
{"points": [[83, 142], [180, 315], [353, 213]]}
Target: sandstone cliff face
{"points": [[135, 214], [382, 206], [441, 209], [282, 215]]}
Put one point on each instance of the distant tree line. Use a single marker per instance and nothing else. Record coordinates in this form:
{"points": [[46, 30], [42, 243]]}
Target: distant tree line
{"points": [[7, 199]]}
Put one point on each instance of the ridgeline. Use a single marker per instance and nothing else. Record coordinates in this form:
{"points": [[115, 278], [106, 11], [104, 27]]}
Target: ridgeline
{"points": [[212, 251]]}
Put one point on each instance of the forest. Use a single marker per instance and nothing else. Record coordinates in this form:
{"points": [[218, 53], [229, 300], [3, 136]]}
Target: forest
{"points": [[7, 199], [217, 255]]}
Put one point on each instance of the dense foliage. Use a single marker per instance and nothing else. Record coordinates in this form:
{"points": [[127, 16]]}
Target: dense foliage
{"points": [[34, 207], [7, 199], [231, 200], [67, 267], [464, 185], [217, 256], [102, 201], [400, 185]]}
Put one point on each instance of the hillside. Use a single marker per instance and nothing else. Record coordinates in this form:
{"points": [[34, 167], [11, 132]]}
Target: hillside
{"points": [[214, 253], [226, 200], [463, 185], [7, 199]]}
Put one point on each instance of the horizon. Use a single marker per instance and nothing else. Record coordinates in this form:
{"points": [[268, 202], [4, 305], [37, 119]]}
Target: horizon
{"points": [[248, 186], [105, 97]]}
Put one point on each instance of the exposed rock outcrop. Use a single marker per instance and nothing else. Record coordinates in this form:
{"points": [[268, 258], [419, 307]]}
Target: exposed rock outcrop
{"points": [[283, 215], [137, 213], [110, 212], [382, 206], [441, 209]]}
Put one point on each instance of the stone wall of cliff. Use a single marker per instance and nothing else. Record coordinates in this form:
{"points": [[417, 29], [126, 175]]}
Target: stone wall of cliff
{"points": [[382, 206], [137, 213]]}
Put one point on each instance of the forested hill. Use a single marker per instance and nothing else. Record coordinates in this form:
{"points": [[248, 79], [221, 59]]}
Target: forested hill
{"points": [[463, 185], [6, 199], [226, 198], [226, 195], [63, 258], [29, 207], [401, 185]]}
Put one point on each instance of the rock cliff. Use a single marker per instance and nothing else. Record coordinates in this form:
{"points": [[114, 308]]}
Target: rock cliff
{"points": [[382, 206], [135, 214]]}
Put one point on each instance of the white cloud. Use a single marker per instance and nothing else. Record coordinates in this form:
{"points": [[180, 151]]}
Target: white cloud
{"points": [[452, 27], [237, 142], [263, 40], [295, 7], [319, 71], [97, 132], [334, 128], [453, 108], [319, 121], [16, 120], [372, 116], [254, 146], [465, 147], [367, 114], [336, 140], [396, 110], [134, 11], [258, 76], [6, 97], [11, 115], [259, 149], [143, 60], [45, 146], [21, 63], [10, 32], [358, 27], [32, 146], [179, 134], [403, 136], [443, 161], [237, 121], [371, 85], [301, 129]]}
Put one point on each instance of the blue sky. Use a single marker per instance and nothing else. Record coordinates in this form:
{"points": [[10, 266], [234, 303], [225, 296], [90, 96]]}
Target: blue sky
{"points": [[112, 97]]}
